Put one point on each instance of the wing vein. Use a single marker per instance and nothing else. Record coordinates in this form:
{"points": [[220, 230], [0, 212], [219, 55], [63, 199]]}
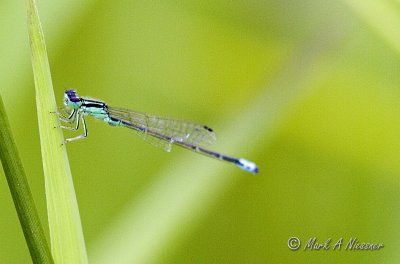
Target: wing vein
{"points": [[163, 132]]}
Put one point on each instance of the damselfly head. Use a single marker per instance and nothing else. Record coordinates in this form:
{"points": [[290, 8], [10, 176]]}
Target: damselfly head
{"points": [[71, 99]]}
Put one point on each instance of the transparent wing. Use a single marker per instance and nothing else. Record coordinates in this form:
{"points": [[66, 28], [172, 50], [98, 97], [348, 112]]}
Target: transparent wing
{"points": [[163, 132]]}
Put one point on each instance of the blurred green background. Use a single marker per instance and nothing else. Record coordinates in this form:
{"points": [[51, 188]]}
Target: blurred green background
{"points": [[309, 90]]}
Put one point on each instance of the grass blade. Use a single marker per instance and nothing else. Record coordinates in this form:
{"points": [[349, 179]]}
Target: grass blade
{"points": [[21, 193], [66, 237]]}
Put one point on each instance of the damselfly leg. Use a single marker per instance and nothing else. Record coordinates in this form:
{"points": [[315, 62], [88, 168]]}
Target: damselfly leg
{"points": [[85, 131], [74, 116], [70, 118]]}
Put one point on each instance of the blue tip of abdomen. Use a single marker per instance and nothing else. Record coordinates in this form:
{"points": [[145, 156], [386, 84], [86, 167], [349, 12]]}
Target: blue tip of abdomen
{"points": [[247, 166]]}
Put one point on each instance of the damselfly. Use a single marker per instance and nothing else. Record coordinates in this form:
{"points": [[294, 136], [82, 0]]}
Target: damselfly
{"points": [[162, 132]]}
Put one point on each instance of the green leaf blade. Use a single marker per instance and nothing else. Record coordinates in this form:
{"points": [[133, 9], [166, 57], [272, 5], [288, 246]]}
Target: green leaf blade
{"points": [[66, 236], [21, 193]]}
